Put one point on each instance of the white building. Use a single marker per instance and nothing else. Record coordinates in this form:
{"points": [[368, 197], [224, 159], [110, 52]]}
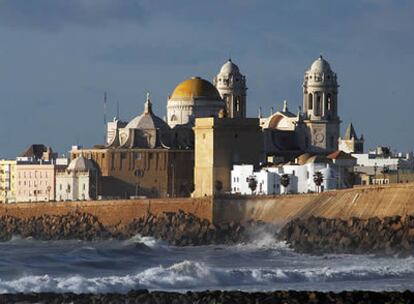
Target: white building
{"points": [[381, 158], [267, 182], [300, 173], [78, 181]]}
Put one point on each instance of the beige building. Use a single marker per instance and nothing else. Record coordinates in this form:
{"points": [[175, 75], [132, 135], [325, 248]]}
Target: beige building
{"points": [[7, 181], [35, 182], [143, 158], [221, 143]]}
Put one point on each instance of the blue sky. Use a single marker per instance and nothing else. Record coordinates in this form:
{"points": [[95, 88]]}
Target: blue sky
{"points": [[57, 57]]}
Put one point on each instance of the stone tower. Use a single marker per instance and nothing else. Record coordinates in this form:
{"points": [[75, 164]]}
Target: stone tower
{"points": [[231, 85], [351, 143], [320, 104]]}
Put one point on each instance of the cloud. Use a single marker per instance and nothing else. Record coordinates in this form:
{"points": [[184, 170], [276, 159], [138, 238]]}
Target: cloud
{"points": [[53, 15]]}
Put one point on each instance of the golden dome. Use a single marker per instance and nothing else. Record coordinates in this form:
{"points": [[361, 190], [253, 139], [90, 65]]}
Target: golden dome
{"points": [[195, 87]]}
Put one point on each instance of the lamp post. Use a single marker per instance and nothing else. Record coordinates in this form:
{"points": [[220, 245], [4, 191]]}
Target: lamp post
{"points": [[398, 173], [375, 172], [48, 193], [172, 180]]}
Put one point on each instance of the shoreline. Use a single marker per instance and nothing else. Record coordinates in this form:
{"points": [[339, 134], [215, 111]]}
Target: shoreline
{"points": [[215, 296]]}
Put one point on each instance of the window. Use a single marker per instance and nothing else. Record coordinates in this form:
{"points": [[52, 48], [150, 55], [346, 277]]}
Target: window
{"points": [[318, 105], [293, 172], [329, 100], [84, 187], [310, 101]]}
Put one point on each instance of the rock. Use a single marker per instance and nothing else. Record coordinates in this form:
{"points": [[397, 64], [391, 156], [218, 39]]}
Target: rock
{"points": [[392, 235]]}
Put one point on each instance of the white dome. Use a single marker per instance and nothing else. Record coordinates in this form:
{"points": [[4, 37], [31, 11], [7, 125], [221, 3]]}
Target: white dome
{"points": [[81, 164], [320, 65], [229, 68]]}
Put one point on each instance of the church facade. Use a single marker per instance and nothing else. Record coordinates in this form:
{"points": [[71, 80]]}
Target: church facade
{"points": [[315, 128]]}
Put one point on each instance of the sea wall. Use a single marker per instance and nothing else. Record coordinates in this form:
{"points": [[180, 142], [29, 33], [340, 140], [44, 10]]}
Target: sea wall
{"points": [[360, 202], [113, 213]]}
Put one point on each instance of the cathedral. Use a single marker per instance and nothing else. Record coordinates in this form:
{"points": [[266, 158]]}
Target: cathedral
{"points": [[167, 157]]}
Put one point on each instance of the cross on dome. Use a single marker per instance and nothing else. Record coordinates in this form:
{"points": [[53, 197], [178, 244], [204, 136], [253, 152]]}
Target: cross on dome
{"points": [[148, 105]]}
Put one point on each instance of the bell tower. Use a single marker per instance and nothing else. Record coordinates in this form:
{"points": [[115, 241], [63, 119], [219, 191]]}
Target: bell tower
{"points": [[231, 85], [320, 104]]}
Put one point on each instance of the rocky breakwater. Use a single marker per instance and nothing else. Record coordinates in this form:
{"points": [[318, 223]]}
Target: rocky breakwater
{"points": [[184, 229], [390, 235], [178, 228], [216, 297], [74, 225]]}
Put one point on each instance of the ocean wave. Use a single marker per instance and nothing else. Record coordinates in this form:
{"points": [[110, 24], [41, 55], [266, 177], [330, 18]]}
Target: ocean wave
{"points": [[197, 275], [148, 241]]}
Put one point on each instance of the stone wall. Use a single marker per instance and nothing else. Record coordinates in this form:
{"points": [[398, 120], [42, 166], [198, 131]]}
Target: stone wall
{"points": [[361, 202], [111, 213]]}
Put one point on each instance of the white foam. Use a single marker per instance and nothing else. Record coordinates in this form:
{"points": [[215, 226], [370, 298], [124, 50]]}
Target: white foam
{"points": [[196, 275], [147, 241]]}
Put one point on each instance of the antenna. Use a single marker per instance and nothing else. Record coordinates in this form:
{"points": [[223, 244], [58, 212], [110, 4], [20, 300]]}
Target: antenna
{"points": [[104, 113]]}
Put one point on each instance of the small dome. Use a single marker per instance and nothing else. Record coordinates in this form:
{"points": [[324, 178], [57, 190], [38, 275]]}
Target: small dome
{"points": [[229, 68], [147, 120], [195, 87], [81, 164], [320, 65]]}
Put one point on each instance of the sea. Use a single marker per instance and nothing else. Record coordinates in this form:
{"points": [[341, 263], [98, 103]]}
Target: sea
{"points": [[28, 265]]}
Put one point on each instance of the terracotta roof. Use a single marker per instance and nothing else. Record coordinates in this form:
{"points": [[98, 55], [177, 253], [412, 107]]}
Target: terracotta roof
{"points": [[340, 155]]}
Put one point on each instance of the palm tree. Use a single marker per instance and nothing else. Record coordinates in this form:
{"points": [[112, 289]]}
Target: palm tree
{"points": [[252, 183], [285, 181], [318, 179]]}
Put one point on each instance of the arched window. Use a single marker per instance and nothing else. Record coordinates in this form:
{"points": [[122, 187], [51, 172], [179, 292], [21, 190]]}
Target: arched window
{"points": [[237, 106], [173, 117], [318, 105], [310, 101], [329, 101]]}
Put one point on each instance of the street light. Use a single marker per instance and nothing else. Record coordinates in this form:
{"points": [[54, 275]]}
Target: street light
{"points": [[48, 193]]}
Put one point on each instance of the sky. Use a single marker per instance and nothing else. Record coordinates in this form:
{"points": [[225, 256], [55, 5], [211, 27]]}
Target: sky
{"points": [[58, 57]]}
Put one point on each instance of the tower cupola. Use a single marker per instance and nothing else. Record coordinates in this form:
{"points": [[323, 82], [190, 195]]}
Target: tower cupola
{"points": [[231, 85]]}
